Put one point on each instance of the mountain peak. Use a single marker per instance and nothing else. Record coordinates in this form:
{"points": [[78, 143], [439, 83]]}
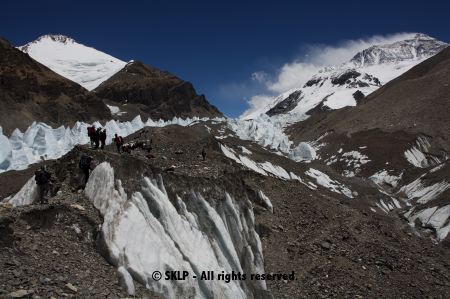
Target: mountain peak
{"points": [[73, 60], [57, 38], [414, 47]]}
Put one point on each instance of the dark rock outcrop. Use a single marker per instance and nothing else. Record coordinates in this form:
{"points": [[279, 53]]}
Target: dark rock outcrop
{"points": [[358, 96], [155, 93], [287, 104], [345, 77]]}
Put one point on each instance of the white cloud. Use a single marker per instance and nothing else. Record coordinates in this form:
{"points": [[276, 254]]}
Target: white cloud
{"points": [[292, 75], [256, 104], [295, 73], [260, 77]]}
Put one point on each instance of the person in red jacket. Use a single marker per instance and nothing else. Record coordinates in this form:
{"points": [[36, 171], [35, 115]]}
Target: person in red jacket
{"points": [[118, 140], [91, 134]]}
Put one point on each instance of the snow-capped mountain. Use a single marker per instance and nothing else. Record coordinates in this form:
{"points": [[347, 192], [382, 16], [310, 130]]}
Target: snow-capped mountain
{"points": [[77, 62], [335, 87], [421, 46]]}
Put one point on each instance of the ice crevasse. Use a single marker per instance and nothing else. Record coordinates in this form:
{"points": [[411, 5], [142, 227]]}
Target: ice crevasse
{"points": [[147, 231]]}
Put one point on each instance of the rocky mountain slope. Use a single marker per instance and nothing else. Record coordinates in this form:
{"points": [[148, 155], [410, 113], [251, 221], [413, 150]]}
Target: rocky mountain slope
{"points": [[399, 139], [308, 219], [335, 87], [30, 92], [79, 63], [150, 92]]}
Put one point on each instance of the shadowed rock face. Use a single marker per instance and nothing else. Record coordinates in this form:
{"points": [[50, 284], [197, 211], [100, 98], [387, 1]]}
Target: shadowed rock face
{"points": [[158, 94], [287, 104], [31, 92]]}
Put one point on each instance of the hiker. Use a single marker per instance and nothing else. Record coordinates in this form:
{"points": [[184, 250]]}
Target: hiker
{"points": [[97, 138], [85, 166], [118, 140], [91, 133], [42, 178], [102, 138], [203, 154]]}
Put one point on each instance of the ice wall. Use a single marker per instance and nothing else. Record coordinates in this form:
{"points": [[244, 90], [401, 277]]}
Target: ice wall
{"points": [[42, 142], [146, 231]]}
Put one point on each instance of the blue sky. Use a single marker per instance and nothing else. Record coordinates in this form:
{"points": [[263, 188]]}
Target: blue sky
{"points": [[218, 45]]}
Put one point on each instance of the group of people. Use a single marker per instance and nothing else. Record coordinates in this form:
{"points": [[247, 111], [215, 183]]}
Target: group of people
{"points": [[98, 139], [43, 178], [97, 136]]}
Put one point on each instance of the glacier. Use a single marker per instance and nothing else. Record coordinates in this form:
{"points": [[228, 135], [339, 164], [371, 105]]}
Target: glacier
{"points": [[147, 231], [42, 142]]}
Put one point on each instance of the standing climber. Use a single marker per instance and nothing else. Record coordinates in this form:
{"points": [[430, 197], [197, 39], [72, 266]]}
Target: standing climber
{"points": [[203, 154], [85, 166], [42, 178], [102, 138], [118, 140], [97, 138], [91, 133]]}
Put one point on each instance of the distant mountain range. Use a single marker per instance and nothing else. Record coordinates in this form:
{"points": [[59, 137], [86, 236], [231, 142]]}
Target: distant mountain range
{"points": [[334, 87], [41, 80]]}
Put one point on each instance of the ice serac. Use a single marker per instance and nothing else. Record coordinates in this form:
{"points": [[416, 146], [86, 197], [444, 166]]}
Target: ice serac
{"points": [[147, 231], [5, 150], [68, 58], [26, 195], [303, 152], [42, 142]]}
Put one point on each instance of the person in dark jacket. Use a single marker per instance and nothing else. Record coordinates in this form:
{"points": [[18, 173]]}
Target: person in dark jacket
{"points": [[102, 136], [42, 178], [97, 138], [203, 154], [85, 166]]}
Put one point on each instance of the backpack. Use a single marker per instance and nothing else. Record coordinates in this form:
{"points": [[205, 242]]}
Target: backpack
{"points": [[85, 162], [41, 177], [91, 131], [120, 140]]}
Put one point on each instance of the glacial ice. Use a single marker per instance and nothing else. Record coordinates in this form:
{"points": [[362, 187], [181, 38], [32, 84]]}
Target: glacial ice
{"points": [[264, 168], [147, 231], [422, 193], [126, 280], [303, 152], [416, 154], [115, 110], [267, 131], [265, 200], [383, 177], [26, 195], [434, 217], [325, 181], [42, 142]]}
